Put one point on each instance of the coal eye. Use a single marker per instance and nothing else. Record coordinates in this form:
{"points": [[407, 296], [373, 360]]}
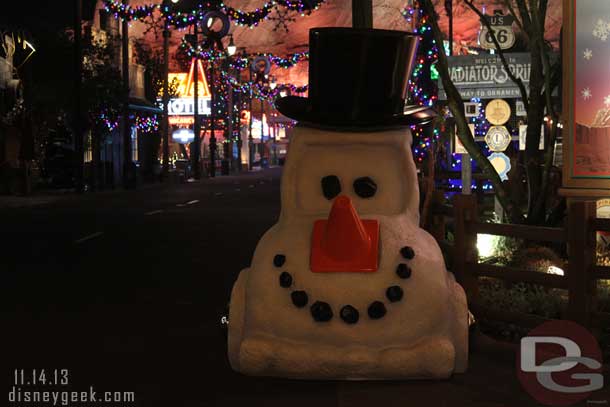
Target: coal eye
{"points": [[331, 186], [365, 187]]}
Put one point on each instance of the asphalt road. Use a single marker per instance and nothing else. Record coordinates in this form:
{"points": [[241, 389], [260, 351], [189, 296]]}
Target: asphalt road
{"points": [[126, 290]]}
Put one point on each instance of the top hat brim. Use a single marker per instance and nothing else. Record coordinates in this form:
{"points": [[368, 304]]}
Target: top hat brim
{"points": [[299, 109]]}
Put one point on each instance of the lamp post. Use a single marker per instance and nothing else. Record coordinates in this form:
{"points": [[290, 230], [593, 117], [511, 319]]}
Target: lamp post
{"points": [[165, 124], [273, 85], [78, 73], [127, 163], [212, 121], [262, 143], [250, 138], [194, 40], [231, 49], [449, 11]]}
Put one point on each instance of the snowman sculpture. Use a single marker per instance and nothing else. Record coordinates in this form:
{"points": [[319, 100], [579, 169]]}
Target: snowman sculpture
{"points": [[346, 285]]}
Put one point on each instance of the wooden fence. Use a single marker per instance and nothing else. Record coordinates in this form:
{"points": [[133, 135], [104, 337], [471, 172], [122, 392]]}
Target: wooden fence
{"points": [[581, 275]]}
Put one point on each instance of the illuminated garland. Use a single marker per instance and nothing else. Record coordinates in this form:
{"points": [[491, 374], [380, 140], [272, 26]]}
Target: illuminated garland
{"points": [[243, 62], [127, 12], [262, 92], [183, 19], [422, 88], [145, 124], [290, 61], [253, 18]]}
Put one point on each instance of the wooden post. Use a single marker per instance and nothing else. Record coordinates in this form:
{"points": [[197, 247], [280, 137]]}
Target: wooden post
{"points": [[465, 245], [466, 174], [437, 224], [581, 251]]}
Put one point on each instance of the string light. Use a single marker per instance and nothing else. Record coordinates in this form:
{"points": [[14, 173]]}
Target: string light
{"points": [[181, 19], [111, 121], [243, 62], [423, 90]]}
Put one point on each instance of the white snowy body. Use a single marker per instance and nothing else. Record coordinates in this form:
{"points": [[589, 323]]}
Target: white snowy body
{"points": [[424, 335]]}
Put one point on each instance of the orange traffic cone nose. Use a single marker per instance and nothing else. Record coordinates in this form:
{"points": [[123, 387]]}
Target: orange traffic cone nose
{"points": [[344, 234], [344, 242]]}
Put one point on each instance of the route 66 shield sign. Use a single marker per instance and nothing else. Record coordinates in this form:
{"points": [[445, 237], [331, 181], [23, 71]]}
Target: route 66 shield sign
{"points": [[502, 29]]}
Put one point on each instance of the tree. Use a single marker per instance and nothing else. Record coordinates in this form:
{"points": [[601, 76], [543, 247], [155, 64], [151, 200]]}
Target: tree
{"points": [[530, 17]]}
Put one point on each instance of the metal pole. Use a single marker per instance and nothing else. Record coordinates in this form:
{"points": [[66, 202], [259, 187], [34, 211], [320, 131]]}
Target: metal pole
{"points": [[212, 121], [78, 74], [250, 138], [237, 119], [196, 125], [449, 10], [262, 143], [125, 125], [274, 143], [165, 127], [230, 116]]}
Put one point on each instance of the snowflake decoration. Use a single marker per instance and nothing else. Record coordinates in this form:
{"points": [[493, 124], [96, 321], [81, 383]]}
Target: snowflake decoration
{"points": [[281, 19], [587, 54], [607, 100], [153, 24], [601, 30], [586, 93]]}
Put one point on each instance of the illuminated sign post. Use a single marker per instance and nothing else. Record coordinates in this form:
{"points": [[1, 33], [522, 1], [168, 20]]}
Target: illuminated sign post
{"points": [[184, 103]]}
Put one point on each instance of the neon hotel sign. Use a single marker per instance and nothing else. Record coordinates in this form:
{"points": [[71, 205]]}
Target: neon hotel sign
{"points": [[184, 103]]}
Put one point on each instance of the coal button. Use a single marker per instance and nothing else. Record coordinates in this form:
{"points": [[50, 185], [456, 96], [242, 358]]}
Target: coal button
{"points": [[394, 293], [407, 252], [321, 311], [403, 271], [350, 314], [376, 310], [299, 298]]}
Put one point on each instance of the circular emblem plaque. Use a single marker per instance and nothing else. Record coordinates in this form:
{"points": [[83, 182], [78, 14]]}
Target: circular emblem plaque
{"points": [[497, 138], [497, 112], [501, 163]]}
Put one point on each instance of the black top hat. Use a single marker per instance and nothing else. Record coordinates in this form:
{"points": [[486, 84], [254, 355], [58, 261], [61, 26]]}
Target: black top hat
{"points": [[358, 79]]}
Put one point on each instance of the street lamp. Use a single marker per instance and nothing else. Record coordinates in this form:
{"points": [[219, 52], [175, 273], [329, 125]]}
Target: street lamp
{"points": [[231, 48], [166, 34]]}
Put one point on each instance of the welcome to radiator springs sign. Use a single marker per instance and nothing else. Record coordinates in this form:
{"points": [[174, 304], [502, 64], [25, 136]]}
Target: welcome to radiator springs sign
{"points": [[484, 76]]}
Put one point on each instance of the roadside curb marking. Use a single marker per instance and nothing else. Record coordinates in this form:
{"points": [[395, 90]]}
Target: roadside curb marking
{"points": [[154, 212], [89, 237]]}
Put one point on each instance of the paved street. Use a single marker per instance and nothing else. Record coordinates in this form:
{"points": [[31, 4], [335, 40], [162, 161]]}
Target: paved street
{"points": [[126, 289]]}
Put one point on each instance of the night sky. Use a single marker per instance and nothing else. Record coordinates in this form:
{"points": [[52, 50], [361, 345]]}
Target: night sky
{"points": [[592, 68]]}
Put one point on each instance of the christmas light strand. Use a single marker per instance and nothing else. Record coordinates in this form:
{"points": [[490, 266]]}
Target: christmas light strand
{"points": [[181, 19], [145, 124], [422, 88], [240, 62]]}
